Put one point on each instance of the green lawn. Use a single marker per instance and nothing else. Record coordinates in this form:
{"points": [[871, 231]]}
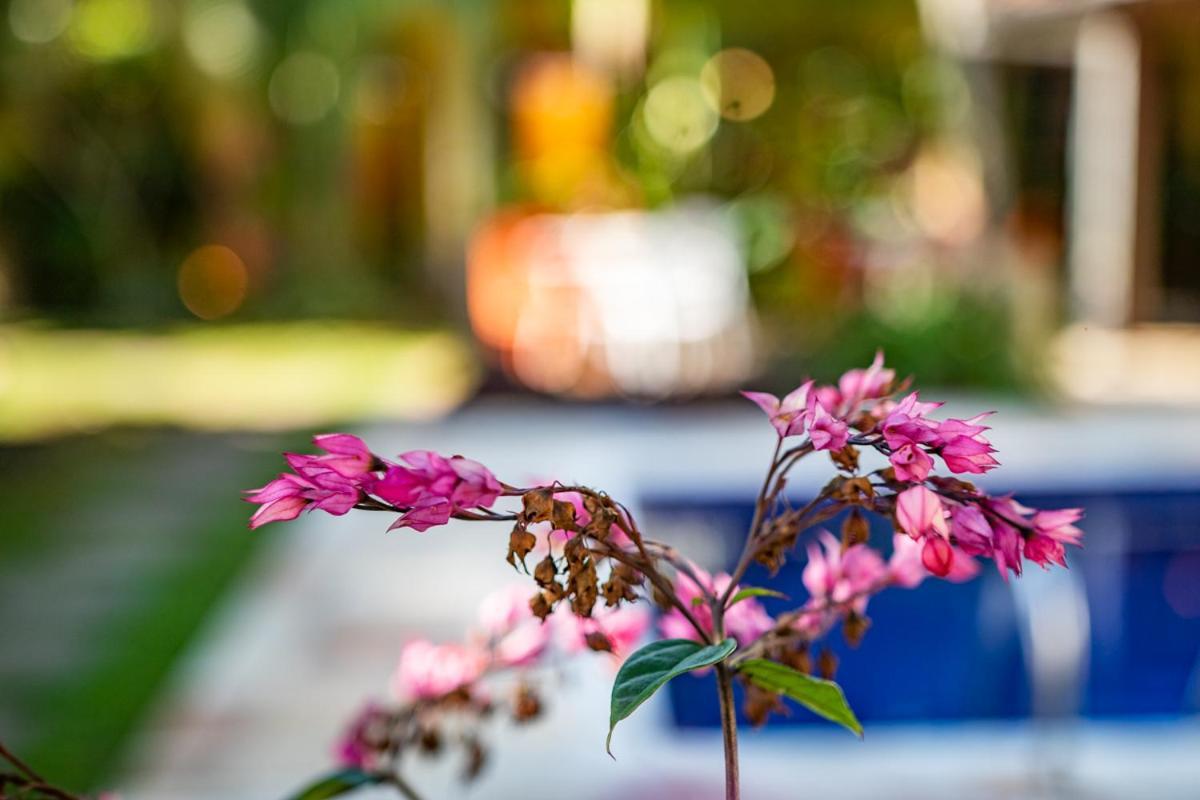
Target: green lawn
{"points": [[113, 549]]}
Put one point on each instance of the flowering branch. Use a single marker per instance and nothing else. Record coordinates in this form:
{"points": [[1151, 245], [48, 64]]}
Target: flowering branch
{"points": [[589, 548]]}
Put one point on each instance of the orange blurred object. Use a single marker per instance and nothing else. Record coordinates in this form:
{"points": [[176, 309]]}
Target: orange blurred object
{"points": [[562, 117], [212, 281]]}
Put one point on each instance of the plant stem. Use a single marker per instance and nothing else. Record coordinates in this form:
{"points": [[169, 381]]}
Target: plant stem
{"points": [[729, 732], [404, 788]]}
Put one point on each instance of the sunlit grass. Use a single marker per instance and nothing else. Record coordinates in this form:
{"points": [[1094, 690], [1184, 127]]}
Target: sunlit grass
{"points": [[234, 377]]}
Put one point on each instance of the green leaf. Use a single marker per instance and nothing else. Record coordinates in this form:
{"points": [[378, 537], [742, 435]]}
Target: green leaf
{"points": [[336, 783], [817, 695], [755, 591], [644, 672]]}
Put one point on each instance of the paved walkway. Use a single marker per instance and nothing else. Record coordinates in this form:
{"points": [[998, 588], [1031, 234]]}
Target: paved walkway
{"points": [[319, 623]]}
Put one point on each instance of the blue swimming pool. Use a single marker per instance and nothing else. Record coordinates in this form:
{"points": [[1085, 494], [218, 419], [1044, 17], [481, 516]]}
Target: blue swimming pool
{"points": [[976, 651]]}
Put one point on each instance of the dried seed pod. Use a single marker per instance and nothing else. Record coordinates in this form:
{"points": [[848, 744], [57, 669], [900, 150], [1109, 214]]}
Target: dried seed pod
{"points": [[599, 642], [661, 600], [600, 525], [864, 422], [526, 704], [476, 759], [537, 505], [846, 459], [855, 530], [854, 628], [583, 588], [554, 591], [628, 574], [575, 552], [799, 660], [545, 572], [520, 543], [541, 605], [827, 663], [429, 740], [855, 490], [616, 589], [759, 704], [562, 516]]}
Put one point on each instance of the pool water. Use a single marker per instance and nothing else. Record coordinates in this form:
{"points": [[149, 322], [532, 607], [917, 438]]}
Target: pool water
{"points": [[1117, 635]]}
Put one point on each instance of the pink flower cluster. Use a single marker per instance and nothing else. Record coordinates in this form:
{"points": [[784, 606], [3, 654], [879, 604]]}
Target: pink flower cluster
{"points": [[822, 411], [426, 487], [907, 435], [952, 521], [977, 525], [745, 620], [331, 482], [910, 436], [507, 635], [844, 579]]}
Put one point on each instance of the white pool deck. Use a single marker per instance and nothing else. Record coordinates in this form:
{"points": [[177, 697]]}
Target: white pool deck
{"points": [[315, 625]]}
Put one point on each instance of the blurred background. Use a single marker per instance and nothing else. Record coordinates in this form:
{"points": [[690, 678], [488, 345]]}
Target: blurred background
{"points": [[556, 235]]}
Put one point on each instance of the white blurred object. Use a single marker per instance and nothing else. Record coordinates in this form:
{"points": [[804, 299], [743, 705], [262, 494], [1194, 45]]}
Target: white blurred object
{"points": [[649, 303]]}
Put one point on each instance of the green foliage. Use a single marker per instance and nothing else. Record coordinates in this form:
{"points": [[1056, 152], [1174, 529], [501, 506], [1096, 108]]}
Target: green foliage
{"points": [[647, 670], [822, 697], [954, 340], [337, 783], [755, 591]]}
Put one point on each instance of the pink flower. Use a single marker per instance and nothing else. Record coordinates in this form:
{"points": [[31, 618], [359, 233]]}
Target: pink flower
{"points": [[1043, 551], [434, 487], [1059, 525], [827, 396], [835, 576], [912, 464], [476, 486], [963, 568], [936, 556], [920, 513], [825, 431], [786, 415], [963, 447], [623, 626], [871, 383], [288, 495], [745, 621], [426, 513], [970, 529], [1052, 529], [428, 671], [282, 499], [906, 423], [427, 474], [904, 568], [1008, 548], [347, 455], [353, 748], [516, 637]]}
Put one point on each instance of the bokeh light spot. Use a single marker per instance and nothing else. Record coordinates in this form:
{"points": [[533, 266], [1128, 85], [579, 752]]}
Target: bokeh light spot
{"points": [[948, 201], [738, 84], [222, 36], [677, 116], [212, 281], [107, 30], [303, 88], [39, 21]]}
